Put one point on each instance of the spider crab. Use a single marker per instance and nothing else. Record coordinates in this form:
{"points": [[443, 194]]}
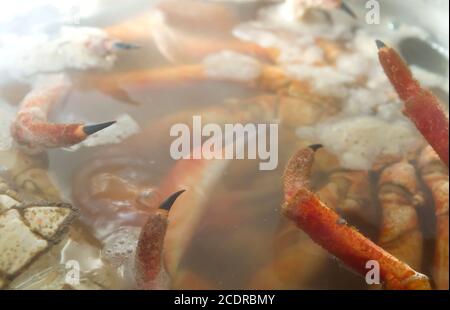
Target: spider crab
{"points": [[399, 191], [76, 49], [108, 196], [33, 219], [399, 195]]}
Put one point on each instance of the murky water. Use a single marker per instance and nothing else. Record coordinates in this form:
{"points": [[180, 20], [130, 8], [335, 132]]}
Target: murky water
{"points": [[240, 241]]}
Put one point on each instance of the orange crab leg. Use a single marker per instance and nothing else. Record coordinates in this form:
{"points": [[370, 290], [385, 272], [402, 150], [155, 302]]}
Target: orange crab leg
{"points": [[145, 79], [31, 128], [399, 196], [435, 175], [327, 229], [302, 6], [421, 106], [184, 46], [149, 274]]}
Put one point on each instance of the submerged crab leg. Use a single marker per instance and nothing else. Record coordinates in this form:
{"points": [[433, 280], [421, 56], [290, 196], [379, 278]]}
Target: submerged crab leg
{"points": [[300, 7], [326, 228], [31, 127], [435, 175], [345, 192], [149, 272], [90, 48], [271, 78], [399, 196], [421, 106], [178, 46]]}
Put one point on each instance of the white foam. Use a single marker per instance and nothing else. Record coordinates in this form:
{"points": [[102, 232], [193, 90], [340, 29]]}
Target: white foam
{"points": [[22, 57], [119, 250], [371, 122], [359, 140], [232, 65]]}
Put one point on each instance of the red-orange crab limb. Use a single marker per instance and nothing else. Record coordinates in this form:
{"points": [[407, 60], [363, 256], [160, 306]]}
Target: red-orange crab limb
{"points": [[435, 175], [31, 128], [182, 46], [149, 272], [421, 106], [327, 229]]}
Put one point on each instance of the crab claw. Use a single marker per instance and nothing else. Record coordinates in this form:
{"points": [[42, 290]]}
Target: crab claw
{"points": [[125, 46], [149, 273], [31, 127], [38, 135], [325, 227], [168, 203], [347, 9], [91, 129]]}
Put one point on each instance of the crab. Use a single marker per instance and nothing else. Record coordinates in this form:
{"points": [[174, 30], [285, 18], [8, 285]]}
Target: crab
{"points": [[398, 190], [73, 48], [399, 195], [119, 188]]}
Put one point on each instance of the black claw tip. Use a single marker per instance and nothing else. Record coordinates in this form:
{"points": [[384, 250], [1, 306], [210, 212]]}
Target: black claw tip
{"points": [[348, 10], [91, 129], [316, 147], [380, 44], [125, 46], [168, 203]]}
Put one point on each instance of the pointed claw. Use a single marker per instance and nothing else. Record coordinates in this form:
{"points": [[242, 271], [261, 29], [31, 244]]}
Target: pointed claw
{"points": [[344, 6], [91, 129], [380, 44], [316, 147], [168, 203], [125, 46]]}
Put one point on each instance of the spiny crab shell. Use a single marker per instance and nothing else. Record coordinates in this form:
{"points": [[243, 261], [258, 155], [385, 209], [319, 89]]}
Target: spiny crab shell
{"points": [[27, 229]]}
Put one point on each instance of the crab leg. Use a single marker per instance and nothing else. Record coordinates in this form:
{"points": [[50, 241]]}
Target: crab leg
{"points": [[346, 192], [294, 265], [82, 49], [178, 46], [326, 228], [185, 14], [421, 106], [399, 196], [435, 175], [271, 79], [149, 274], [301, 7], [31, 128]]}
